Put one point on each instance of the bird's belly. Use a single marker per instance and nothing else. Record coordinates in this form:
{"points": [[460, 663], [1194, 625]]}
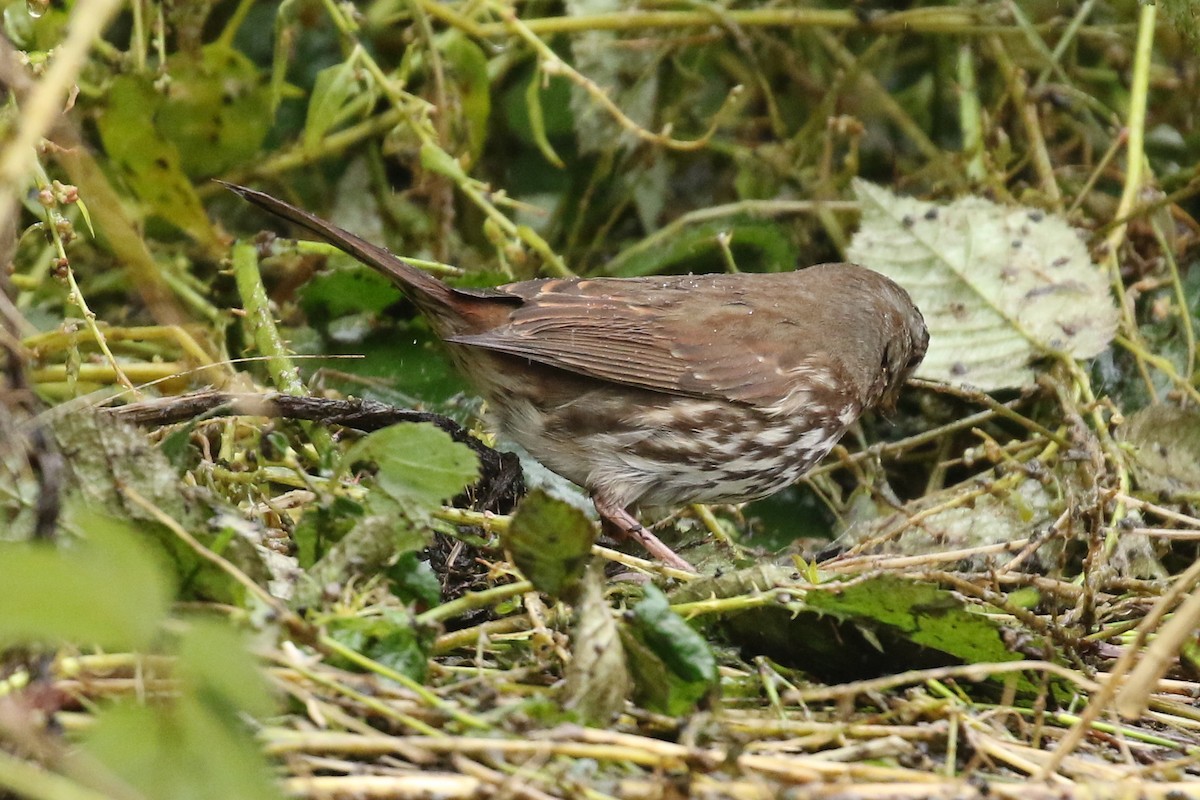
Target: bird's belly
{"points": [[667, 450]]}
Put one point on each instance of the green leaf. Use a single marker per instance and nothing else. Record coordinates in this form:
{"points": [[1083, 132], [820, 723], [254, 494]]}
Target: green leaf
{"points": [[672, 664], [214, 664], [408, 363], [757, 245], [344, 291], [855, 629], [553, 100], [551, 543], [435, 159], [188, 749], [107, 591], [335, 97], [43, 32], [323, 525], [467, 71], [387, 529], [537, 121], [420, 466], [413, 581], [215, 110], [149, 162], [392, 639], [922, 612]]}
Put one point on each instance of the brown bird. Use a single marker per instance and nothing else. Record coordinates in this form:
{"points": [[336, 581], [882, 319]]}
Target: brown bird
{"points": [[667, 390]]}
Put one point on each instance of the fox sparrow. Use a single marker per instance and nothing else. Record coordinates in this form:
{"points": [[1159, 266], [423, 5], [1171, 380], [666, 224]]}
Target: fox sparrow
{"points": [[666, 390]]}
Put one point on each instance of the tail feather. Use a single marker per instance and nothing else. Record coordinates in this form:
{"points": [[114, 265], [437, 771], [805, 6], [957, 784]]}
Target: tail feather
{"points": [[424, 289]]}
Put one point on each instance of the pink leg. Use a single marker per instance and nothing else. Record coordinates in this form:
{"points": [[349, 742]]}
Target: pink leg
{"points": [[628, 525]]}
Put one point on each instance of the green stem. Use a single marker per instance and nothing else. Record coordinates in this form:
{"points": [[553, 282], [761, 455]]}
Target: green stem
{"points": [[358, 659], [261, 323], [1136, 124], [283, 373], [923, 20], [970, 115], [473, 600], [24, 779]]}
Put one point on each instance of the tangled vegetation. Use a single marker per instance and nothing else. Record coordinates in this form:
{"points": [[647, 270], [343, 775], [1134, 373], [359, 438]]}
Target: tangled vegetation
{"points": [[256, 541]]}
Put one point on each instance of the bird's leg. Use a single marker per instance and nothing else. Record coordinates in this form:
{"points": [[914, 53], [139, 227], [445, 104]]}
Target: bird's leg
{"points": [[629, 527]]}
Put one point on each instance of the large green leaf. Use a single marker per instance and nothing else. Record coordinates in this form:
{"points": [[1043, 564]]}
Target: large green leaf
{"points": [[194, 744], [922, 612], [215, 110], [149, 162], [336, 97]]}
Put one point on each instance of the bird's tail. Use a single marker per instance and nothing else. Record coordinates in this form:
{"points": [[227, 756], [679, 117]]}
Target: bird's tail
{"points": [[426, 291]]}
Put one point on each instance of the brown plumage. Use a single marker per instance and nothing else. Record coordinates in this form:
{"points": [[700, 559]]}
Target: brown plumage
{"points": [[666, 390]]}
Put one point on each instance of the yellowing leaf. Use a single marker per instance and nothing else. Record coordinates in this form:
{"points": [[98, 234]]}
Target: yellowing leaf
{"points": [[149, 162]]}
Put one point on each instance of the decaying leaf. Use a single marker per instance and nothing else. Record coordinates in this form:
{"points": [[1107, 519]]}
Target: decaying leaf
{"points": [[970, 520], [1165, 444], [597, 678], [999, 286]]}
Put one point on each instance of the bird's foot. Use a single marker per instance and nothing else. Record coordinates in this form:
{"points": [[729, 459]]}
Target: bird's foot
{"points": [[629, 527]]}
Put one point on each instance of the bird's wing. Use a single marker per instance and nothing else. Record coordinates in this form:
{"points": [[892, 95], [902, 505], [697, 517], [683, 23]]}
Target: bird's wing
{"points": [[716, 336]]}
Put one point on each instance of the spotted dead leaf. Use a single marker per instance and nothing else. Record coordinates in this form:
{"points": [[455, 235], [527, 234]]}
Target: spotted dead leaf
{"points": [[999, 286], [1164, 445]]}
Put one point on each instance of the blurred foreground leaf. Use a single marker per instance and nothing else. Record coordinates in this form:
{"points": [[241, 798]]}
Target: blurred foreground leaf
{"points": [[107, 590], [195, 743]]}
